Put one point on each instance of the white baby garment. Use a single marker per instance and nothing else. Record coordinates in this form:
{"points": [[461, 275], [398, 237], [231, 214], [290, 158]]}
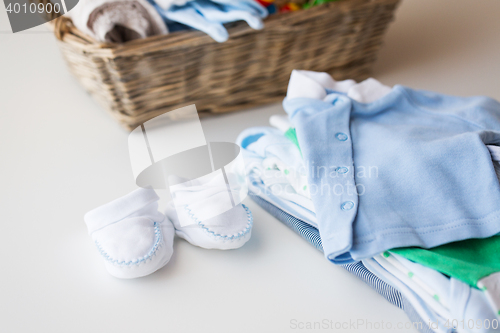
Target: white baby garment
{"points": [[131, 235]]}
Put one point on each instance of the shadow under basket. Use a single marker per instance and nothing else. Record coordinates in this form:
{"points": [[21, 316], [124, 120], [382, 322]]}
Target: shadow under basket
{"points": [[142, 79]]}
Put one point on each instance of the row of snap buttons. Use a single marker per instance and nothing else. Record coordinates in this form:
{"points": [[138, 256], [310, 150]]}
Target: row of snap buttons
{"points": [[348, 205]]}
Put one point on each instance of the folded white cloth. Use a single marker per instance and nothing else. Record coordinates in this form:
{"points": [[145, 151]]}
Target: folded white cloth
{"points": [[117, 21], [281, 122], [491, 287], [133, 238], [307, 84]]}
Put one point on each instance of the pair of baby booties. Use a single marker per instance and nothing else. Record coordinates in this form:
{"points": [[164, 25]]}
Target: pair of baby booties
{"points": [[135, 239]]}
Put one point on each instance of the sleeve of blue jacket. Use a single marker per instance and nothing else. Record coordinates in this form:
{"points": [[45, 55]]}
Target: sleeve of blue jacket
{"points": [[480, 112]]}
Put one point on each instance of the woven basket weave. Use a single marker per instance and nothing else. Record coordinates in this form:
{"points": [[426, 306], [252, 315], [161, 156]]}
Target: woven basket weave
{"points": [[141, 79]]}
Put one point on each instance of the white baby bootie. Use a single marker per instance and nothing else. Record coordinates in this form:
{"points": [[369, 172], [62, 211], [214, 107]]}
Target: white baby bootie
{"points": [[229, 230], [133, 238], [204, 214]]}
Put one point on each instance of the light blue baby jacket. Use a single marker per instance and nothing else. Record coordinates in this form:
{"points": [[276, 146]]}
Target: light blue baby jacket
{"points": [[409, 169]]}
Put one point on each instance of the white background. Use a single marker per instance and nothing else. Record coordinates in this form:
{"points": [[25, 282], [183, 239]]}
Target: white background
{"points": [[62, 155]]}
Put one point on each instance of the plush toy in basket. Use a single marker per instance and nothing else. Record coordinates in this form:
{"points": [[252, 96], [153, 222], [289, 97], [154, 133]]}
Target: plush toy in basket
{"points": [[141, 58]]}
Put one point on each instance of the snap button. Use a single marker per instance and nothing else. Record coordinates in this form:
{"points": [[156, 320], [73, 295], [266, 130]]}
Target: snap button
{"points": [[341, 170], [341, 136], [348, 205]]}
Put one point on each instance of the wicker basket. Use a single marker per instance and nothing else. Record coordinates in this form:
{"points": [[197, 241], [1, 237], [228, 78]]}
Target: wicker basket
{"points": [[141, 79]]}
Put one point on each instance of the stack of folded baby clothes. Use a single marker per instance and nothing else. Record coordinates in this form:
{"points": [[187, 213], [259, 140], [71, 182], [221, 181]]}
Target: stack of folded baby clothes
{"points": [[399, 186], [118, 21]]}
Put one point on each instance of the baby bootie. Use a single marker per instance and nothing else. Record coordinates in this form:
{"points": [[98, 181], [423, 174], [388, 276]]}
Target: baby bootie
{"points": [[133, 238], [229, 230]]}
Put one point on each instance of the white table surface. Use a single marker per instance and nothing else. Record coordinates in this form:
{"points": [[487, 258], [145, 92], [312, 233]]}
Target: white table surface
{"points": [[61, 155]]}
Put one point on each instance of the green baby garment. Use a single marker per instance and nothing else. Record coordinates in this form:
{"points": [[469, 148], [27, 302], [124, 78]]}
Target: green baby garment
{"points": [[468, 260]]}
